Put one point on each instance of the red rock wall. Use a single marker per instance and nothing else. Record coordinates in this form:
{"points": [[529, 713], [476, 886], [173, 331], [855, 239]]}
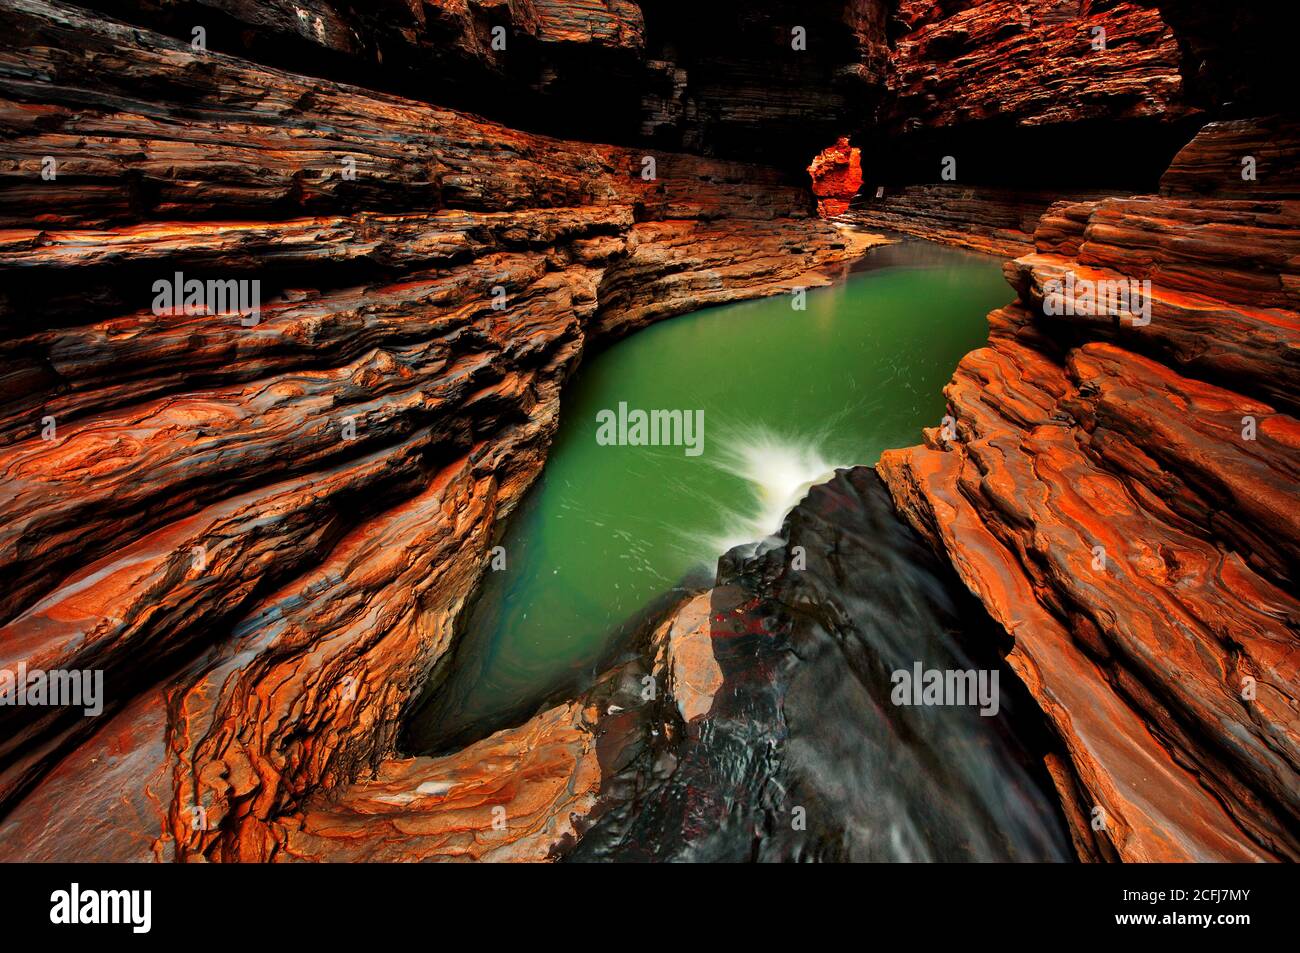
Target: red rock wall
{"points": [[265, 595], [264, 592], [1032, 63], [995, 109], [989, 219], [710, 79], [1121, 496]]}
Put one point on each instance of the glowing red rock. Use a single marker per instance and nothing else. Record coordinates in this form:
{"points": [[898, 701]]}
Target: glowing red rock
{"points": [[836, 177]]}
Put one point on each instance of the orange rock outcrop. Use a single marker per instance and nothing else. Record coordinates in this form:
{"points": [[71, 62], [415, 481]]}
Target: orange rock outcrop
{"points": [[836, 174], [263, 533], [1118, 488]]}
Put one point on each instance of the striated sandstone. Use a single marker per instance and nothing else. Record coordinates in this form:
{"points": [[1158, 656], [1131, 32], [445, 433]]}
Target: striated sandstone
{"points": [[512, 797], [996, 221], [1120, 495], [1031, 64], [264, 535], [265, 595], [722, 81], [995, 110], [1245, 158]]}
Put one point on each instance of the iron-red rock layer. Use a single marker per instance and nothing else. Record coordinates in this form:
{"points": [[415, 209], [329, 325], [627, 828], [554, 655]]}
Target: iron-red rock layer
{"points": [[1120, 494], [263, 535]]}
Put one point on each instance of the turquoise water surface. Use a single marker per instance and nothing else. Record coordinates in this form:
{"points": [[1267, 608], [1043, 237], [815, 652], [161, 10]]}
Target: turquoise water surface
{"points": [[787, 396]]}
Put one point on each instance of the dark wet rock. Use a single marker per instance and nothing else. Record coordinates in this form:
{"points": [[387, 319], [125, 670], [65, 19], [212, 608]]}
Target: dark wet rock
{"points": [[793, 749]]}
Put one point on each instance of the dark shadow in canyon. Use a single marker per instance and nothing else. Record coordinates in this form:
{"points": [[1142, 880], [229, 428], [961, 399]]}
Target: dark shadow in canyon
{"points": [[725, 81], [1123, 156]]}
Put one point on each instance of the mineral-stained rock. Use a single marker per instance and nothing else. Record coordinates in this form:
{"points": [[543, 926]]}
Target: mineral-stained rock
{"points": [[693, 676], [1032, 63], [263, 531], [468, 53], [515, 796], [1222, 300], [993, 109], [263, 528], [836, 177], [618, 23], [1244, 158], [1120, 495], [717, 80]]}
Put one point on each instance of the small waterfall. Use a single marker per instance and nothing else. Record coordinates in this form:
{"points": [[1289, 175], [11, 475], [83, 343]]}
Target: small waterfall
{"points": [[778, 469], [805, 716]]}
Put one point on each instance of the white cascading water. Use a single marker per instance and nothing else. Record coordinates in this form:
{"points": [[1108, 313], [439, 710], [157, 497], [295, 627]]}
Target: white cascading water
{"points": [[779, 471]]}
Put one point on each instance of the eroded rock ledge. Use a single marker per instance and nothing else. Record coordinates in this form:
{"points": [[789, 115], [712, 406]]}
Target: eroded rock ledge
{"points": [[996, 109], [263, 535], [1121, 496], [769, 734]]}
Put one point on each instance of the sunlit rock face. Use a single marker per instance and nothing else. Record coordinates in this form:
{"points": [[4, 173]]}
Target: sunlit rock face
{"points": [[836, 174], [263, 528], [1118, 486]]}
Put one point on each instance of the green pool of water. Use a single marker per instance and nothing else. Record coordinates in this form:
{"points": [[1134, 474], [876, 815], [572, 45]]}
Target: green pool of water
{"points": [[786, 395]]}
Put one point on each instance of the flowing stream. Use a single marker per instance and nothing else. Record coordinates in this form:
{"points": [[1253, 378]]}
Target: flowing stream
{"points": [[787, 396]]}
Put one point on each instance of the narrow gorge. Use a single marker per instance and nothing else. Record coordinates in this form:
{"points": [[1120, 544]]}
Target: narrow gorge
{"points": [[965, 337]]}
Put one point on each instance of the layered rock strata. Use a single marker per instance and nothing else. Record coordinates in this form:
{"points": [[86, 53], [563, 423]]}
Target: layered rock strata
{"points": [[753, 722], [995, 221], [770, 81], [996, 109], [836, 174], [1039, 63], [519, 795], [262, 527], [1117, 485], [262, 523]]}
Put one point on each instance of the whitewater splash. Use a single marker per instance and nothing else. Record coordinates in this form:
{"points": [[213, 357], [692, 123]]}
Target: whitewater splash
{"points": [[779, 471]]}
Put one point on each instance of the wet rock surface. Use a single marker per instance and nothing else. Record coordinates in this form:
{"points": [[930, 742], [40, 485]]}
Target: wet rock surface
{"points": [[778, 738], [264, 532]]}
